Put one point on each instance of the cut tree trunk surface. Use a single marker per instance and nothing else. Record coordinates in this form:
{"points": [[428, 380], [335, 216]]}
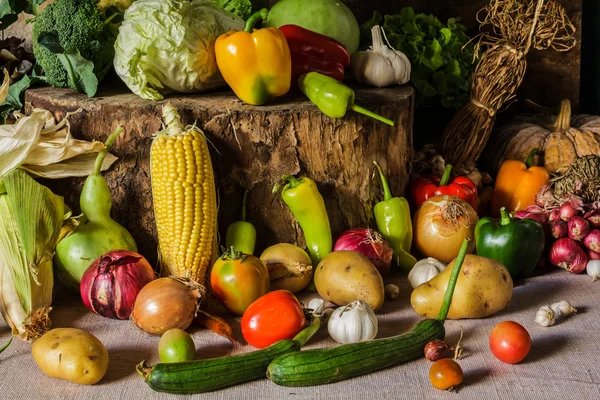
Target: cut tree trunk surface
{"points": [[251, 148]]}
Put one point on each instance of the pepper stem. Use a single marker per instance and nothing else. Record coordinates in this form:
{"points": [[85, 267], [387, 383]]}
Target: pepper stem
{"points": [[285, 180], [371, 114], [308, 332], [387, 194], [446, 176], [107, 145], [452, 282], [504, 217], [254, 18], [531, 157], [244, 205]]}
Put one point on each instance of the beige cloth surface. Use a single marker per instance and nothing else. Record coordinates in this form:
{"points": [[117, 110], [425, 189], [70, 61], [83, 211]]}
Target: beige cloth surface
{"points": [[564, 362]]}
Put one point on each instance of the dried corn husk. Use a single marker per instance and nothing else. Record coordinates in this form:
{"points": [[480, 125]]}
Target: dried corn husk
{"points": [[31, 218], [4, 87]]}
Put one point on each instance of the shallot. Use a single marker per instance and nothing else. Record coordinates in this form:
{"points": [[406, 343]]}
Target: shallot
{"points": [[593, 218], [559, 229], [370, 243], [593, 269], [592, 240], [578, 228], [554, 215], [436, 350], [567, 211], [566, 254], [592, 255]]}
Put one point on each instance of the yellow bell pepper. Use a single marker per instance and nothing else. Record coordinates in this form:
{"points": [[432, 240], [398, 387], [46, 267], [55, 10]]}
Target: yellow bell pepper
{"points": [[256, 65], [517, 184]]}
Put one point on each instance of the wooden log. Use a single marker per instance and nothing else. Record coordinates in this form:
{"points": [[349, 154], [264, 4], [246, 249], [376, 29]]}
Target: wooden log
{"points": [[252, 148]]}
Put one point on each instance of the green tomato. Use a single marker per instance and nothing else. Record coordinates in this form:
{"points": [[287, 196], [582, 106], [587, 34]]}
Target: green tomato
{"points": [[176, 345]]}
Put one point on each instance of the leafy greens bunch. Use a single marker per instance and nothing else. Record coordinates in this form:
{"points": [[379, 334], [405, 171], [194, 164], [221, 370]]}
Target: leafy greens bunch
{"points": [[442, 56]]}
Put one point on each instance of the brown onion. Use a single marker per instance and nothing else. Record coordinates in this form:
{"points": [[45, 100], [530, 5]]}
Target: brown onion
{"points": [[290, 268], [111, 283], [167, 303], [441, 225], [436, 350], [566, 254]]}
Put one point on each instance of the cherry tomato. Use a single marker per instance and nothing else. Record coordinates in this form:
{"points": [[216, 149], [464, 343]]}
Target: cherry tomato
{"points": [[239, 279], [510, 342], [176, 345], [275, 316], [445, 374]]}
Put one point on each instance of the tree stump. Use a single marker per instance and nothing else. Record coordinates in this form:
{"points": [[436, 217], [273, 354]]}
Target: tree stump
{"points": [[252, 147]]}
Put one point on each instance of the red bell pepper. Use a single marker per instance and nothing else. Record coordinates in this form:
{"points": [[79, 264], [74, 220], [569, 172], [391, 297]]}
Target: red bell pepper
{"points": [[423, 188], [313, 52]]}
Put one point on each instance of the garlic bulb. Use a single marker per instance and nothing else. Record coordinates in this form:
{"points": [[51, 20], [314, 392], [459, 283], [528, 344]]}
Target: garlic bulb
{"points": [[353, 323], [545, 316], [563, 308], [381, 65], [593, 269], [424, 271]]}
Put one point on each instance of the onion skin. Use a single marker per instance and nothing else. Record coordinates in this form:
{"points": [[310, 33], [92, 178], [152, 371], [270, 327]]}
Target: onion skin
{"points": [[112, 282], [167, 303], [440, 237], [592, 240], [370, 243], [559, 229], [566, 254], [578, 228]]}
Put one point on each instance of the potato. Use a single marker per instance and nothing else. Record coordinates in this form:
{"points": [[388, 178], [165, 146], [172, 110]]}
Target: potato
{"points": [[483, 288], [71, 354], [344, 276]]}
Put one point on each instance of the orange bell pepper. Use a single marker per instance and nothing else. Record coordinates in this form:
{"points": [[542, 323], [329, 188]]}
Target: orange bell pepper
{"points": [[517, 184], [256, 65]]}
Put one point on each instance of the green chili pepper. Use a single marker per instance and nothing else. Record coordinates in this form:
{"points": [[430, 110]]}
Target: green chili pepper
{"points": [[306, 203], [394, 223], [241, 234], [333, 98]]}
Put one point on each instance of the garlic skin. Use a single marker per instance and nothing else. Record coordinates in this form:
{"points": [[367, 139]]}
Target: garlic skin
{"points": [[317, 305], [353, 323], [424, 271], [392, 292], [563, 308], [381, 65], [593, 269], [545, 316]]}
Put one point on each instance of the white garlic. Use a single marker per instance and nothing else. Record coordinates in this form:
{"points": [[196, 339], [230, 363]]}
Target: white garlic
{"points": [[593, 269], [545, 316], [563, 308], [424, 271], [316, 305], [392, 292], [353, 323], [381, 65]]}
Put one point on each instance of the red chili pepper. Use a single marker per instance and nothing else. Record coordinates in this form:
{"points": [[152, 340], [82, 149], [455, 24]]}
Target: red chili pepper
{"points": [[423, 188], [313, 52]]}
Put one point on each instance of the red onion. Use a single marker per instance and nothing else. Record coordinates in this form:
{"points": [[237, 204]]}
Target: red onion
{"points": [[578, 228], [592, 240], [535, 209], [111, 283], [370, 243], [592, 255], [559, 229], [554, 216], [593, 218], [567, 211], [522, 214], [566, 254], [541, 218]]}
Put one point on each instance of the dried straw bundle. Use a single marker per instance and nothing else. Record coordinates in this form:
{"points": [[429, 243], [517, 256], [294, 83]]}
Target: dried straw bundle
{"points": [[516, 27]]}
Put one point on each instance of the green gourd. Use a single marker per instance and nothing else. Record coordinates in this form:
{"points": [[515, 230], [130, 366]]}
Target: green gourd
{"points": [[96, 233]]}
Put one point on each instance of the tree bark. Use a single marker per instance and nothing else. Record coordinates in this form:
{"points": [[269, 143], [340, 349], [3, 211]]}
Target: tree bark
{"points": [[252, 147]]}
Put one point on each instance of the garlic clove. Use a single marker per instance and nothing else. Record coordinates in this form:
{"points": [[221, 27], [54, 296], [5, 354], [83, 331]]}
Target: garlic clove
{"points": [[545, 316]]}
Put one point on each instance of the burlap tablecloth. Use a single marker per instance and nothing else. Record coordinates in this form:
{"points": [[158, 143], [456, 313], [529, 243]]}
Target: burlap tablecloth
{"points": [[564, 361]]}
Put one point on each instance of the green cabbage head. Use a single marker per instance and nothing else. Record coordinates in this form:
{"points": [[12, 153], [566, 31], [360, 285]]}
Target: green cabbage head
{"points": [[169, 46]]}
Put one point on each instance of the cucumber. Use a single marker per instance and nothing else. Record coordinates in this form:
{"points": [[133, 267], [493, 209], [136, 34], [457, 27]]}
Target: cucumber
{"points": [[321, 366], [202, 376]]}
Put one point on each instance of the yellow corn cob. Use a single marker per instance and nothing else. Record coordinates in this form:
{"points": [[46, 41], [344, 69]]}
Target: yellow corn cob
{"points": [[185, 204]]}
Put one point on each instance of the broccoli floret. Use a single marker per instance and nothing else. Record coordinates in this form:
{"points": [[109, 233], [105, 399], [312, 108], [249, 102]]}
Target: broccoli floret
{"points": [[241, 8], [79, 24]]}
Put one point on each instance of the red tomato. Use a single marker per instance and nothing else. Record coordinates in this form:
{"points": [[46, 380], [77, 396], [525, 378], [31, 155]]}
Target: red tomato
{"points": [[510, 342], [445, 374], [238, 280], [275, 316]]}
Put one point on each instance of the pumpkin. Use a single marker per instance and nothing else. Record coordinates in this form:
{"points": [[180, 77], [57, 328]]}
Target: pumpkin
{"points": [[561, 139]]}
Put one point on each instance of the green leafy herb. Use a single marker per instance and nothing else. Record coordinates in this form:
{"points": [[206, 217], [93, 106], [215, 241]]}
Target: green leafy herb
{"points": [[441, 55], [79, 70]]}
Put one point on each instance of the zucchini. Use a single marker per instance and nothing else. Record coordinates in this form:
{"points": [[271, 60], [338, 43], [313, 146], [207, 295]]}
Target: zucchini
{"points": [[200, 376], [320, 366]]}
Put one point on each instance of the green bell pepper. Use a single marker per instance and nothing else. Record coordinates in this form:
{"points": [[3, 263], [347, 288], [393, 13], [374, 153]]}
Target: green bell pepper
{"points": [[516, 243]]}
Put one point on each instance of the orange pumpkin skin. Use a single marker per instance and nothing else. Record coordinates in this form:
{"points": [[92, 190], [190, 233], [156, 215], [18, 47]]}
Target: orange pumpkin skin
{"points": [[561, 141]]}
